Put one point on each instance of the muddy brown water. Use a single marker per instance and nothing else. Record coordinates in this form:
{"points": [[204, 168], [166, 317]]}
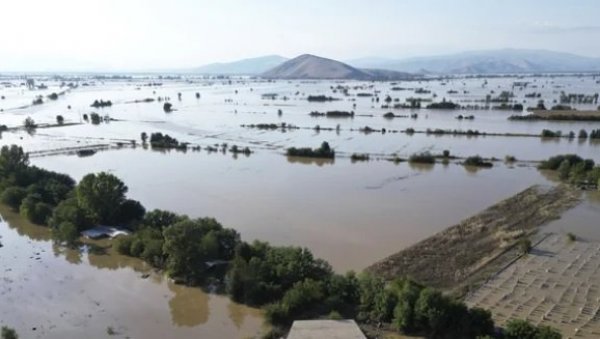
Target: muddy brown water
{"points": [[351, 214], [50, 292]]}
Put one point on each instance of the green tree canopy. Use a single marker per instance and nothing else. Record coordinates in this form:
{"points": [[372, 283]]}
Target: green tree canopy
{"points": [[101, 195]]}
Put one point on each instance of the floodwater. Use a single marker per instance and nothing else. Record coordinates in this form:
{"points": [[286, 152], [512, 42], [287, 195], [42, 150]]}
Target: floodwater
{"points": [[52, 292], [349, 213]]}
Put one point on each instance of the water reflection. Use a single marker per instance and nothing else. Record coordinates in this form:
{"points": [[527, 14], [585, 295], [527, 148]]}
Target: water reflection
{"points": [[25, 228], [189, 306], [72, 256], [310, 161], [421, 167]]}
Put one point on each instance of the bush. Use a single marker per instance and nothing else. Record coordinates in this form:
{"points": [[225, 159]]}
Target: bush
{"points": [[123, 244], [524, 245], [260, 273], [322, 152], [522, 329], [9, 333], [95, 117], [359, 157], [422, 158], [29, 123], [554, 162], [477, 161], [13, 196], [551, 134], [34, 210], [296, 303], [137, 247]]}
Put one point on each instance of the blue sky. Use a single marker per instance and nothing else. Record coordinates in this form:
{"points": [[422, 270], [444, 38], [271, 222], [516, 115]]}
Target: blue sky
{"points": [[143, 34]]}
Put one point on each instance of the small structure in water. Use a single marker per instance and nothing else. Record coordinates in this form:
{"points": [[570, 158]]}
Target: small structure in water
{"points": [[100, 232]]}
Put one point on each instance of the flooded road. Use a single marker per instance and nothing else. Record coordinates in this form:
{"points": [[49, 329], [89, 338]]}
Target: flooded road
{"points": [[51, 292]]}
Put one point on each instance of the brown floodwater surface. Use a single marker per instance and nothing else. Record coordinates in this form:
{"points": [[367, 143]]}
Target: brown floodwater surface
{"points": [[47, 291], [350, 214]]}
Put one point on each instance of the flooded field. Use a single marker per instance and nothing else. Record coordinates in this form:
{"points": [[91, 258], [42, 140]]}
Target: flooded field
{"points": [[349, 213], [52, 292]]}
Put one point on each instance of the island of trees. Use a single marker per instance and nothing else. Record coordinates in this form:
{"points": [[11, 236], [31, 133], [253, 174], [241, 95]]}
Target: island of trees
{"points": [[325, 151]]}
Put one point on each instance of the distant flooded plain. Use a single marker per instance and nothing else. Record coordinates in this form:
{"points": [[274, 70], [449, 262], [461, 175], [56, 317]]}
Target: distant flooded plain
{"points": [[349, 213]]}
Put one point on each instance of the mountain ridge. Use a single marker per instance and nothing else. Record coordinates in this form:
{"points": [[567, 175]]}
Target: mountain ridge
{"points": [[247, 66], [488, 62], [308, 66]]}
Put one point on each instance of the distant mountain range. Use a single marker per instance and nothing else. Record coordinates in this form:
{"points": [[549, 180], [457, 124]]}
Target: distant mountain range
{"points": [[309, 66], [488, 62], [250, 66], [501, 61]]}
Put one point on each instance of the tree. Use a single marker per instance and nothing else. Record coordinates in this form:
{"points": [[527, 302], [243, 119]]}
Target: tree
{"points": [[12, 196], [190, 244], [130, 211], [427, 309], [69, 211], [481, 322], [404, 313], [29, 123], [260, 273], [35, 210], [9, 333], [299, 300], [12, 160], [160, 219], [101, 195]]}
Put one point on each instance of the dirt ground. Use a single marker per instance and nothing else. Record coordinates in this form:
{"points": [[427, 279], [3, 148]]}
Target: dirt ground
{"points": [[465, 255], [556, 284]]}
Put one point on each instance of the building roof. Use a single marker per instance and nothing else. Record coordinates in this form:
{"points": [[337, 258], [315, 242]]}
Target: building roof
{"points": [[104, 231], [325, 329]]}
